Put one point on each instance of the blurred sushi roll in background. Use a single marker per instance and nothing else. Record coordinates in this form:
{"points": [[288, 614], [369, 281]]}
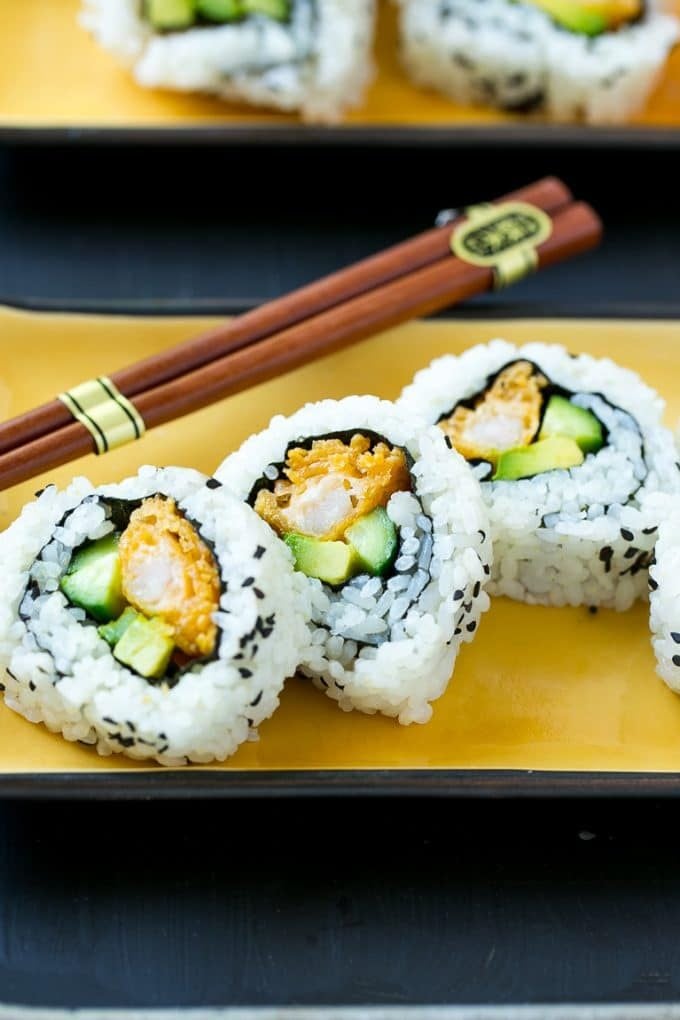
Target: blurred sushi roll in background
{"points": [[157, 617], [664, 591], [591, 60], [568, 450], [390, 531], [311, 56]]}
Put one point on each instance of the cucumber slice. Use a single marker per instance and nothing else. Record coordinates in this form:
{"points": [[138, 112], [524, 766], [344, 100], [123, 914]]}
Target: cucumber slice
{"points": [[112, 632], [93, 579], [562, 418], [332, 562], [166, 15], [547, 455], [146, 646], [374, 537], [220, 10]]}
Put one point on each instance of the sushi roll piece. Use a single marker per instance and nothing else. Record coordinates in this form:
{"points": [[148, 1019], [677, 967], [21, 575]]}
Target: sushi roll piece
{"points": [[311, 56], [156, 617], [590, 60], [567, 450], [664, 591], [390, 533]]}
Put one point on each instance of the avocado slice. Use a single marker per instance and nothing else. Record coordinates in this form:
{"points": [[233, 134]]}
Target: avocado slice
{"points": [[171, 14], [562, 418], [220, 10], [574, 16], [278, 9], [374, 537], [546, 455], [332, 562], [112, 632], [93, 579], [146, 646]]}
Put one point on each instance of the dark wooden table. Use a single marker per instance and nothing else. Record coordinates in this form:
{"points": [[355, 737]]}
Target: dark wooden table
{"points": [[318, 901]]}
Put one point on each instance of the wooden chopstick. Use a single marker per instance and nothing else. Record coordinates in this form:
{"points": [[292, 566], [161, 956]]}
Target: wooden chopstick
{"points": [[576, 229], [549, 194]]}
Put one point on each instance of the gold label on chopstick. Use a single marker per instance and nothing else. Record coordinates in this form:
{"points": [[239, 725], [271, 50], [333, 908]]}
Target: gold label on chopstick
{"points": [[107, 415], [503, 238]]}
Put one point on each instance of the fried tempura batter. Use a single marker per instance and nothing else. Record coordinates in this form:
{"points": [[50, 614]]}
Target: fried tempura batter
{"points": [[331, 485], [168, 571], [505, 416]]}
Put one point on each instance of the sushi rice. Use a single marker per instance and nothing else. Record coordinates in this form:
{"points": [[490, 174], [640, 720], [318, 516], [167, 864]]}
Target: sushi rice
{"points": [[514, 56], [388, 644], [318, 62], [664, 590], [58, 670], [578, 536]]}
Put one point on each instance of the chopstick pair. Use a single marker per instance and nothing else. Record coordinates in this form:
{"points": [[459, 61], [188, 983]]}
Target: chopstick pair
{"points": [[534, 227]]}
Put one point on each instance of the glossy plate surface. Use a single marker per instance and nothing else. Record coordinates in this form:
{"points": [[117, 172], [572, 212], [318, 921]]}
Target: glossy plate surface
{"points": [[561, 691], [55, 80]]}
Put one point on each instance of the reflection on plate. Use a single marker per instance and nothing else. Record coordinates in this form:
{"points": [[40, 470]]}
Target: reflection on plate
{"points": [[41, 91], [540, 689]]}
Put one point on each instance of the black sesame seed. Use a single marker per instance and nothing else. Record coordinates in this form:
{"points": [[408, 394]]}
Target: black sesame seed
{"points": [[592, 610], [487, 569], [653, 585], [259, 552], [649, 531], [630, 552], [476, 590], [112, 722], [676, 660], [456, 632], [628, 535], [467, 606], [448, 442], [482, 535], [458, 594], [340, 687], [251, 723], [471, 626], [38, 494], [163, 749], [2, 687], [213, 483], [675, 637], [10, 673], [248, 581], [257, 700], [258, 593], [245, 673]]}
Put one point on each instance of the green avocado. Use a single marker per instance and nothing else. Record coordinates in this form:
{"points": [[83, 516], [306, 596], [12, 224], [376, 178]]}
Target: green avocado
{"points": [[574, 16], [166, 15], [146, 646], [562, 418], [220, 10], [546, 455], [374, 537], [93, 579], [332, 562], [277, 9]]}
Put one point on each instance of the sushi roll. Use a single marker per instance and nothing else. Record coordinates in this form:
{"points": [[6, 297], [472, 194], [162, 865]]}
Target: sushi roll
{"points": [[390, 533], [568, 450], [312, 56], [156, 617], [664, 591], [590, 60]]}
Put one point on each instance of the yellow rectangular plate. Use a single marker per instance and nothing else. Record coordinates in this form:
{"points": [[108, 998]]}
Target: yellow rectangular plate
{"points": [[54, 78], [562, 691]]}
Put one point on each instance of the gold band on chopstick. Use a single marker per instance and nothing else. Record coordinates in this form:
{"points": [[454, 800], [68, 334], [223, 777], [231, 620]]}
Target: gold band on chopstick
{"points": [[504, 238], [107, 415]]}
